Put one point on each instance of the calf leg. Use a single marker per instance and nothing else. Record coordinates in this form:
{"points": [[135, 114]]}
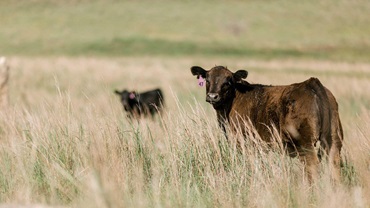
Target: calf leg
{"points": [[336, 139], [334, 152], [303, 141], [308, 156], [334, 162]]}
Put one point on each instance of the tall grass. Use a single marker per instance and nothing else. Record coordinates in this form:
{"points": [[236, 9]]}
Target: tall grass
{"points": [[65, 140]]}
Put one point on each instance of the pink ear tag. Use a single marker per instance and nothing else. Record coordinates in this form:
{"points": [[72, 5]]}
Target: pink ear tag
{"points": [[132, 95], [201, 81]]}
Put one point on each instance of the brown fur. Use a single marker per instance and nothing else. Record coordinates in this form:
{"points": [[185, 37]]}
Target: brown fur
{"points": [[303, 113]]}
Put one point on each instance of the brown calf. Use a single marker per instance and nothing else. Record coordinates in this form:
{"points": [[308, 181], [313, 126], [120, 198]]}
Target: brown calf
{"points": [[303, 113]]}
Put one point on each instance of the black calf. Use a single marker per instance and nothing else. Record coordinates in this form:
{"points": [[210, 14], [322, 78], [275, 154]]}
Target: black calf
{"points": [[141, 104]]}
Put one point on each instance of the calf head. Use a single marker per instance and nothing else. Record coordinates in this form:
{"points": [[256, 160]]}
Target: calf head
{"points": [[128, 99], [220, 83]]}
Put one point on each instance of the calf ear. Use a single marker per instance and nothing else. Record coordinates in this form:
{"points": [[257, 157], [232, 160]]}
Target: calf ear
{"points": [[240, 74], [198, 71], [117, 92]]}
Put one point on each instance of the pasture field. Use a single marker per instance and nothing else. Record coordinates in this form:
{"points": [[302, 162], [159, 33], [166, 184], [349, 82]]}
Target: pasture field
{"points": [[65, 141], [320, 29]]}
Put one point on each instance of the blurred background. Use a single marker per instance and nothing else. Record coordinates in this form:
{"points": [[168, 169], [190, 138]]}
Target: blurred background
{"points": [[329, 29]]}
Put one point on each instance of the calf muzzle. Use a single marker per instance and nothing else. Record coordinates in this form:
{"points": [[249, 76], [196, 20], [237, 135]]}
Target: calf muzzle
{"points": [[212, 97]]}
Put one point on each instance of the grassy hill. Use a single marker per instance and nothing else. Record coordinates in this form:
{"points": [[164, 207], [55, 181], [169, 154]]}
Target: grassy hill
{"points": [[337, 30]]}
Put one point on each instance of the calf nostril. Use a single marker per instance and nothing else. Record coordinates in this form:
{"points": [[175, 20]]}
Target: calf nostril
{"points": [[213, 96]]}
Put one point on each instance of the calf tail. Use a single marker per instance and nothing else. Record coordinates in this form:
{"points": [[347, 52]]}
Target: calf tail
{"points": [[324, 115]]}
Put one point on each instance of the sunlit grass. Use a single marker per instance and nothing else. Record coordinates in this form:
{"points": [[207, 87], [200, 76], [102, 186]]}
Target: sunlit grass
{"points": [[66, 141]]}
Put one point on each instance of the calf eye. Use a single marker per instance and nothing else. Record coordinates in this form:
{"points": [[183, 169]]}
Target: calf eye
{"points": [[228, 83]]}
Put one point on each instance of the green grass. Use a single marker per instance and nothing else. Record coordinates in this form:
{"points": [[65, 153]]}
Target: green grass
{"points": [[329, 29]]}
